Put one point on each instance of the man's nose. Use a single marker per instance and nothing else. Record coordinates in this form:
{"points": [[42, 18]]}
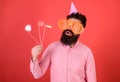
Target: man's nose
{"points": [[70, 26]]}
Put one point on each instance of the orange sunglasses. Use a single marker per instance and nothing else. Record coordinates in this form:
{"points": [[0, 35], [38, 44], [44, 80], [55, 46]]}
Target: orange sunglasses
{"points": [[75, 26]]}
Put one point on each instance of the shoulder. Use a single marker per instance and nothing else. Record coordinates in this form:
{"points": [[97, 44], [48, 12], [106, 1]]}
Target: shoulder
{"points": [[53, 45], [81, 45], [84, 48]]}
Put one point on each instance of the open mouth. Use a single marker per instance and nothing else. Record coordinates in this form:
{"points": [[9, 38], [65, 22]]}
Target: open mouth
{"points": [[68, 33]]}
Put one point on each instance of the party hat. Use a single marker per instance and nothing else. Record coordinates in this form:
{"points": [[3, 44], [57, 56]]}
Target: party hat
{"points": [[73, 8]]}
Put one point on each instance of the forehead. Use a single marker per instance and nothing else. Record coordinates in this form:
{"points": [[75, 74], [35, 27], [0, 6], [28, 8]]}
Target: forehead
{"points": [[74, 20]]}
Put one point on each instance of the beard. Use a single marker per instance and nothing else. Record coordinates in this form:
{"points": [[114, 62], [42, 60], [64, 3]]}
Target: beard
{"points": [[69, 39]]}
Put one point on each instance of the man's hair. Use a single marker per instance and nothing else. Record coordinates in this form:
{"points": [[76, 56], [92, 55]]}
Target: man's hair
{"points": [[78, 16]]}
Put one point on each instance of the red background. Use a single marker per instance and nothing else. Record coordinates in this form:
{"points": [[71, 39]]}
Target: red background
{"points": [[101, 35]]}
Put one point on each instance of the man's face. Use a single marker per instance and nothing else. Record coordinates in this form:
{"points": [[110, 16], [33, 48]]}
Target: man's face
{"points": [[69, 35]]}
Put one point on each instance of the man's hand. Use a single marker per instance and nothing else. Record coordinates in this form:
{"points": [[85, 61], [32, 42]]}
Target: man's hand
{"points": [[36, 51]]}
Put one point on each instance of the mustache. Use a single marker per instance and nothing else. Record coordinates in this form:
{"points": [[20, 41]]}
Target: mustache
{"points": [[68, 40]]}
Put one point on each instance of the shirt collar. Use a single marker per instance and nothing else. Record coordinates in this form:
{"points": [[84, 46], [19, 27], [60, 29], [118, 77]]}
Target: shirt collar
{"points": [[73, 46]]}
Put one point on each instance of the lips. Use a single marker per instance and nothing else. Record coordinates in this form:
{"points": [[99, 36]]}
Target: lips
{"points": [[68, 33]]}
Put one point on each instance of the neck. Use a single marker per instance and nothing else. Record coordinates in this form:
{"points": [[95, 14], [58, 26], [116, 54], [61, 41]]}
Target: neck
{"points": [[72, 45]]}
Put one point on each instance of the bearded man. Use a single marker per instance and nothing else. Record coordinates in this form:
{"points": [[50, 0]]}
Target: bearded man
{"points": [[69, 60]]}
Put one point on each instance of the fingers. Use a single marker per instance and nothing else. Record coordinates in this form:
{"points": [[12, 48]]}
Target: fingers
{"points": [[36, 50]]}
